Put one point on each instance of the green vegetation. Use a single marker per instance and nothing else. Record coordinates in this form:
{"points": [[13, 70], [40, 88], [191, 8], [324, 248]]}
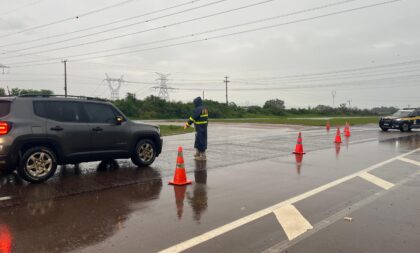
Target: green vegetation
{"points": [[166, 130], [272, 112], [17, 92]]}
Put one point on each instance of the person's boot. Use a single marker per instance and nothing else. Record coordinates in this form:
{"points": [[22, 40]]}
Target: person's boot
{"points": [[202, 156], [197, 154]]}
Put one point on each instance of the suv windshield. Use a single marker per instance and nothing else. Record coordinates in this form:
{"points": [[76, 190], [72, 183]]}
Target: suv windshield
{"points": [[402, 113]]}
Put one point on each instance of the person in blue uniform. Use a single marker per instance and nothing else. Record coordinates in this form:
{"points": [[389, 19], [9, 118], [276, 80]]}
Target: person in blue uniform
{"points": [[200, 120]]}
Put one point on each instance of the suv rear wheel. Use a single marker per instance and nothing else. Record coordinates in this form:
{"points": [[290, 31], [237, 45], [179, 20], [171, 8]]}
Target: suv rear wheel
{"points": [[37, 164], [144, 153]]}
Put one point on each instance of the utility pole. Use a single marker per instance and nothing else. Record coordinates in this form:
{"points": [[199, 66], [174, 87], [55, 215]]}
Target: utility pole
{"points": [[65, 77], [226, 81], [4, 67], [333, 93], [203, 94], [349, 101]]}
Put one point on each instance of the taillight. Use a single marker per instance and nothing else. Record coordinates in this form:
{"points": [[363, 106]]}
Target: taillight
{"points": [[5, 127]]}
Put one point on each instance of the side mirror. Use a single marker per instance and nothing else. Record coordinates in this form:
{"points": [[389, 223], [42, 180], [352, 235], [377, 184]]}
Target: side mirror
{"points": [[119, 120]]}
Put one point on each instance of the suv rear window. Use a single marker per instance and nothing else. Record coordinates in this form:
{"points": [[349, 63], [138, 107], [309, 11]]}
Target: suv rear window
{"points": [[4, 108]]}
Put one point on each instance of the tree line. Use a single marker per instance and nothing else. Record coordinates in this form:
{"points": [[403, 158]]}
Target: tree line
{"points": [[154, 107]]}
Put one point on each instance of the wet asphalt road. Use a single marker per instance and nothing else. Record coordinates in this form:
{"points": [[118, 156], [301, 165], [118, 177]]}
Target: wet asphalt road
{"points": [[116, 207]]}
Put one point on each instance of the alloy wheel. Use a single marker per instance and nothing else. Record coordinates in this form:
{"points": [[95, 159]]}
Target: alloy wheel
{"points": [[39, 164]]}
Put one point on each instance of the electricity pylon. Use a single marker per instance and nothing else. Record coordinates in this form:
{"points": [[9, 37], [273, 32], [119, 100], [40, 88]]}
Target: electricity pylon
{"points": [[3, 68], [114, 85], [163, 86]]}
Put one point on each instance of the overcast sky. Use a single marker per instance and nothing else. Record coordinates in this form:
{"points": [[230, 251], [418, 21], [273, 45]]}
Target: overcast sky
{"points": [[299, 51]]}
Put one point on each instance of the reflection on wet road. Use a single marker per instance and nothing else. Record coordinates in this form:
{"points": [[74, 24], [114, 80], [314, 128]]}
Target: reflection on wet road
{"points": [[114, 206]]}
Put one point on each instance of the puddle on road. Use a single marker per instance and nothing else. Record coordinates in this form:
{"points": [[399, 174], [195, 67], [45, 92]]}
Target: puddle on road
{"points": [[75, 222]]}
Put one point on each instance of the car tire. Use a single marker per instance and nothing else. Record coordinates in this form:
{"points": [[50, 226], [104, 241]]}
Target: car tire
{"points": [[38, 164], [144, 154], [405, 127], [384, 129]]}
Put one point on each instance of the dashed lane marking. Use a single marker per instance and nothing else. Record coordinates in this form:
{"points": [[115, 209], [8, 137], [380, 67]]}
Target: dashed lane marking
{"points": [[284, 245], [259, 214], [5, 198], [409, 161], [376, 180], [292, 221]]}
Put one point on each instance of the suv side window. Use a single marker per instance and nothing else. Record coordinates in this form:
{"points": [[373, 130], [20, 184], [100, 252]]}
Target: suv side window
{"points": [[100, 113], [60, 111]]}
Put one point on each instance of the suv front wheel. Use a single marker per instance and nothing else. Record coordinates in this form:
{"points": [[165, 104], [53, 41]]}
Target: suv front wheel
{"points": [[144, 154], [37, 164]]}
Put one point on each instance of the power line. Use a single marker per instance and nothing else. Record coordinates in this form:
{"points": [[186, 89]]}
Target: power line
{"points": [[21, 7], [240, 32], [219, 29], [266, 80], [102, 25], [138, 32], [311, 86], [67, 19], [328, 78]]}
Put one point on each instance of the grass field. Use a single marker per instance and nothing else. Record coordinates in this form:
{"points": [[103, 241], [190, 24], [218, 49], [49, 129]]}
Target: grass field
{"points": [[306, 122], [166, 130]]}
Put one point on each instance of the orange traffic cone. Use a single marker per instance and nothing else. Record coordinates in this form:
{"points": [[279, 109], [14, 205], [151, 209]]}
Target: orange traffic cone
{"points": [[347, 130], [328, 126], [338, 136], [299, 146], [180, 177]]}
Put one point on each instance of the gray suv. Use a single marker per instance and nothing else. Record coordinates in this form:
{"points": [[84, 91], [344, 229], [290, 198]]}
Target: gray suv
{"points": [[37, 133]]}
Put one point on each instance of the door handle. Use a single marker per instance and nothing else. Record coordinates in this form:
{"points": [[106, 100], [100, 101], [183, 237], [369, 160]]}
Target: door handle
{"points": [[97, 129], [57, 128]]}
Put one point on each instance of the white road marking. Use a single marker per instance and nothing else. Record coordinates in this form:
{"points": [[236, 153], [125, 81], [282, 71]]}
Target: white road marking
{"points": [[282, 246], [376, 180], [409, 161], [292, 221], [5, 198], [252, 217]]}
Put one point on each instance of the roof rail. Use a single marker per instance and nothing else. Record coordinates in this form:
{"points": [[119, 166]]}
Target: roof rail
{"points": [[63, 96]]}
